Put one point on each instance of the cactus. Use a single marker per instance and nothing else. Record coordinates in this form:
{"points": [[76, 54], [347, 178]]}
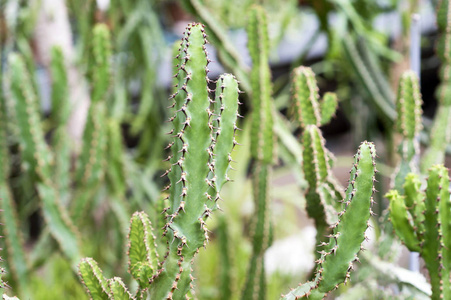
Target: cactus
{"points": [[262, 150], [345, 242], [422, 222], [203, 138], [39, 159], [323, 191], [408, 124], [440, 135]]}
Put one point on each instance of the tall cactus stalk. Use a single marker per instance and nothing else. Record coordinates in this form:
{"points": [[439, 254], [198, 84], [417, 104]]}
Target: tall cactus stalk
{"points": [[345, 242], [408, 125], [38, 158], [203, 139], [262, 150], [441, 131], [422, 222], [323, 191]]}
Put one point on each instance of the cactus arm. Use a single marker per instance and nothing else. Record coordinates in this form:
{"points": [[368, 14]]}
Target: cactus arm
{"points": [[262, 119], [59, 223], [38, 156], [116, 174], [91, 163], [34, 149], [226, 108], [92, 278], [328, 107], [17, 260], [142, 250], [188, 212], [432, 248], [408, 124], [60, 115], [441, 131], [219, 37], [349, 232], [305, 95], [225, 258], [414, 202], [402, 222], [259, 232], [306, 290], [345, 242], [118, 291], [319, 197], [101, 68]]}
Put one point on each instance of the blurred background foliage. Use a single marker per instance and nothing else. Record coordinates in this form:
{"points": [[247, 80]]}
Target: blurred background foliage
{"points": [[357, 48]]}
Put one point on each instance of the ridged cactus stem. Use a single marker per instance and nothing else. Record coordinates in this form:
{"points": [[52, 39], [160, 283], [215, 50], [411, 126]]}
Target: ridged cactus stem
{"points": [[262, 150], [203, 140], [262, 137], [38, 158], [422, 221], [308, 109], [441, 131], [345, 242], [260, 233], [408, 125], [323, 192]]}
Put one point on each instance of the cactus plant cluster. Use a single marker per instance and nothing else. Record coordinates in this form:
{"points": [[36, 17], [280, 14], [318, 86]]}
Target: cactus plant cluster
{"points": [[203, 139], [163, 243], [421, 220], [340, 252], [323, 191]]}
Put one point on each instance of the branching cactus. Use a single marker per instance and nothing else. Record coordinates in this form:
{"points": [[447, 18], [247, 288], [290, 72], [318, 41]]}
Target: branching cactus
{"points": [[340, 253], [323, 192], [441, 131], [262, 150], [422, 222], [38, 158], [307, 109], [203, 139], [408, 125]]}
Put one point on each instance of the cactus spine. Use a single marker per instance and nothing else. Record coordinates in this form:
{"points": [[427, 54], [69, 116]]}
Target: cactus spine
{"points": [[262, 150], [441, 131], [345, 242]]}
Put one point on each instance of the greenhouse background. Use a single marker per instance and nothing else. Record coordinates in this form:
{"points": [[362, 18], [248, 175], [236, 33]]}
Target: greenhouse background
{"points": [[204, 149]]}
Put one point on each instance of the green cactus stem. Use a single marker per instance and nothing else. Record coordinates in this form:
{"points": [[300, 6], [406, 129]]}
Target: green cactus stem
{"points": [[441, 131], [262, 150], [323, 191], [93, 280], [101, 66], [408, 125], [345, 242], [142, 250], [260, 232], [193, 163], [402, 221], [118, 291], [60, 114], [39, 159], [422, 220], [262, 137], [16, 258]]}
